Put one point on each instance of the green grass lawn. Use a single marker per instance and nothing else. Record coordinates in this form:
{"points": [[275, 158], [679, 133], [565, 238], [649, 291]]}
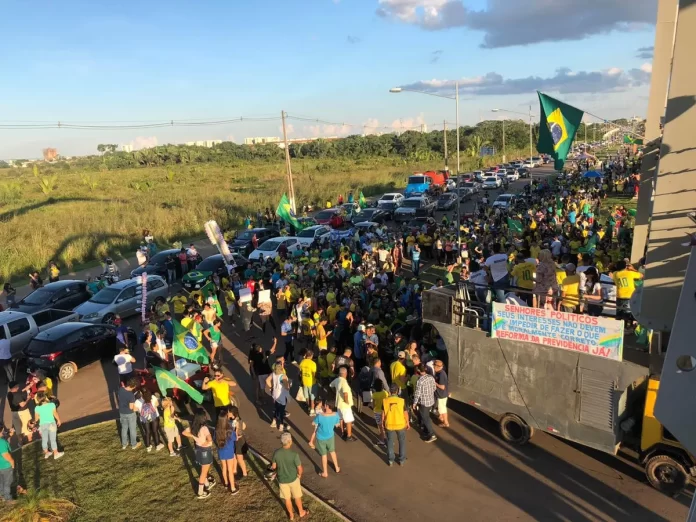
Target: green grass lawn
{"points": [[107, 483]]}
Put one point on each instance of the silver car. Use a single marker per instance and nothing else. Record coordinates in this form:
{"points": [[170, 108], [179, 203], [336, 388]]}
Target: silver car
{"points": [[124, 298]]}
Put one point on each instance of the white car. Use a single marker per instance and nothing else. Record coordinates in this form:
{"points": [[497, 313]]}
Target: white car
{"points": [[529, 164], [390, 202], [491, 182], [270, 248], [366, 226], [512, 175], [317, 232], [504, 201]]}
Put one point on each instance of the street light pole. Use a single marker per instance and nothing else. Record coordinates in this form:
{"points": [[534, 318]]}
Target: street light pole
{"points": [[444, 127], [531, 147], [504, 157]]}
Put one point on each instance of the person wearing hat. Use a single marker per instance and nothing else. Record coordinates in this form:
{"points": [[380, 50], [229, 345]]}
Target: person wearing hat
{"points": [[398, 372], [396, 422], [570, 290]]}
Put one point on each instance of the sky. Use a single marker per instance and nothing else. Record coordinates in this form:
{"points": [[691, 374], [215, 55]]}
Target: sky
{"points": [[79, 61]]}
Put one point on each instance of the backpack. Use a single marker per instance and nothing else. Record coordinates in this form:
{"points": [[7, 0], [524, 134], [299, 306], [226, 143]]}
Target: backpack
{"points": [[148, 412]]}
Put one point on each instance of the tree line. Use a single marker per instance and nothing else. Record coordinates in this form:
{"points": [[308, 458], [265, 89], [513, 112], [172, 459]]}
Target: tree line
{"points": [[409, 145]]}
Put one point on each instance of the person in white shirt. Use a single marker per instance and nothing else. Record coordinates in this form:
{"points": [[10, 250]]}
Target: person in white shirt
{"points": [[556, 247], [124, 361], [479, 277], [141, 256], [497, 267]]}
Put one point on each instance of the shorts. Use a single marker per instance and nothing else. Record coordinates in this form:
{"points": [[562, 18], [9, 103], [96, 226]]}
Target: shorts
{"points": [[324, 447], [20, 422], [171, 433], [214, 345], [442, 406], [310, 392], [346, 415], [291, 490], [378, 418], [241, 448], [204, 456], [230, 310]]}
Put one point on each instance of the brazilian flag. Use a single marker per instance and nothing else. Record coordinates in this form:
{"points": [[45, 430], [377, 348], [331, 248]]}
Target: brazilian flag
{"points": [[166, 380], [186, 345], [515, 226], [557, 127], [284, 212], [631, 140], [362, 201]]}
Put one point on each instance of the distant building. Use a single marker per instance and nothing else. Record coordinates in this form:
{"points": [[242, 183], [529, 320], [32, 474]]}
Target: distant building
{"points": [[127, 148], [203, 143], [261, 141], [50, 154]]}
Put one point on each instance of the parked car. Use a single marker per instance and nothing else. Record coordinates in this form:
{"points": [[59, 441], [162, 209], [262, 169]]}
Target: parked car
{"points": [[390, 202], [371, 214], [447, 201], [270, 248], [478, 176], [64, 295], [324, 217], [463, 193], [157, 265], [505, 201], [466, 177], [491, 182], [243, 241], [415, 207], [538, 161], [469, 187], [19, 328], [215, 264], [317, 232], [124, 298], [523, 172], [62, 350], [512, 175], [366, 226]]}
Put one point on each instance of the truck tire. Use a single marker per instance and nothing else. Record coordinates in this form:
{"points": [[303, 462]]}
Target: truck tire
{"points": [[67, 371], [666, 474], [515, 430]]}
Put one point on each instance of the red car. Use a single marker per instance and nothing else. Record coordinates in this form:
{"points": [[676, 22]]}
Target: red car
{"points": [[324, 217], [146, 379]]}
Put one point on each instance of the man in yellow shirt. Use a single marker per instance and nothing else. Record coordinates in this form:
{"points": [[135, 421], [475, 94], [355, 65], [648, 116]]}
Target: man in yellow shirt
{"points": [[625, 279], [322, 336], [220, 388], [396, 422], [308, 371], [523, 272], [179, 302], [570, 290], [332, 312], [398, 372]]}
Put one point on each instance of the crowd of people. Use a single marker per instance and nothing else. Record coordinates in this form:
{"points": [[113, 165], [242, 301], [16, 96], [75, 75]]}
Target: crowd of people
{"points": [[346, 320]]}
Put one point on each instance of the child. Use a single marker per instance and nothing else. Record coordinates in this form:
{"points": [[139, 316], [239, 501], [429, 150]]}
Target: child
{"points": [[170, 429]]}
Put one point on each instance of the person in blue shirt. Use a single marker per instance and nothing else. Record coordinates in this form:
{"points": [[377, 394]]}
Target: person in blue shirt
{"points": [[415, 260], [168, 328], [324, 424], [359, 342], [572, 215]]}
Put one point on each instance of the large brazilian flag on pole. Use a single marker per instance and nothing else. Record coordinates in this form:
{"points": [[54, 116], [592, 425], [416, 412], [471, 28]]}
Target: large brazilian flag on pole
{"points": [[284, 212], [557, 127]]}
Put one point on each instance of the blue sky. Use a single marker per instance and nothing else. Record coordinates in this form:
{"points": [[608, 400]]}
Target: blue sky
{"points": [[334, 60]]}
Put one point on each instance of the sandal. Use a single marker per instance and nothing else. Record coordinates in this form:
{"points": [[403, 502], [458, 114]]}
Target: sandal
{"points": [[306, 514]]}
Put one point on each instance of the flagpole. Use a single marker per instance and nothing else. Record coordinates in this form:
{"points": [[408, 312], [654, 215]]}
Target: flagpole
{"points": [[531, 153], [291, 188]]}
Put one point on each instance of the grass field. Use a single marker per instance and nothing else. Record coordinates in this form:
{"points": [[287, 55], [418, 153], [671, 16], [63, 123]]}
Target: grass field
{"points": [[106, 483], [74, 216]]}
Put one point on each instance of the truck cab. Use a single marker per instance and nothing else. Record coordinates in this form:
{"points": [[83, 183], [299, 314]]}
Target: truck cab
{"points": [[418, 184]]}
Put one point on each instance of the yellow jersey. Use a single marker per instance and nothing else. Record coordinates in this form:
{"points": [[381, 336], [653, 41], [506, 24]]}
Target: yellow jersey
{"points": [[625, 281]]}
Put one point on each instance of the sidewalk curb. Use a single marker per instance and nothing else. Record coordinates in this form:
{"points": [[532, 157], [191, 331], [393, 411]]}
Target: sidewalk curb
{"points": [[306, 490]]}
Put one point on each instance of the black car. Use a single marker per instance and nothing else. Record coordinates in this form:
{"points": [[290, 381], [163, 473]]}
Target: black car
{"points": [[447, 201], [65, 348], [158, 264], [64, 295], [523, 172], [242, 243], [375, 215], [199, 277]]}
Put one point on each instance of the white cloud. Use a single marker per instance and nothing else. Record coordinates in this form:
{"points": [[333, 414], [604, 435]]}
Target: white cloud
{"points": [[144, 142], [289, 128], [371, 126], [563, 81], [521, 22], [646, 67], [231, 138], [328, 130], [410, 123]]}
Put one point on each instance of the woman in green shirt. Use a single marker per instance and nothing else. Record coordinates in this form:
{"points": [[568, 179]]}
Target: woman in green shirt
{"points": [[46, 415]]}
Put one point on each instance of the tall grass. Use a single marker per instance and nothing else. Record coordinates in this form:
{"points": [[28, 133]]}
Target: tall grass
{"points": [[90, 214]]}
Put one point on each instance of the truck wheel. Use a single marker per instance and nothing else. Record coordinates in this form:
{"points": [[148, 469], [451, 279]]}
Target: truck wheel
{"points": [[515, 430], [666, 474], [67, 371]]}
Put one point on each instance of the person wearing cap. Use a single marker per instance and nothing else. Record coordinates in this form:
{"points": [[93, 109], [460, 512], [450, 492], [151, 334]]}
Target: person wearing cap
{"points": [[570, 290], [398, 372], [396, 422]]}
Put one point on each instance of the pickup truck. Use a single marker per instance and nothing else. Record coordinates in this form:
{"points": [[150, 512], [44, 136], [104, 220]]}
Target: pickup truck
{"points": [[415, 207], [18, 328]]}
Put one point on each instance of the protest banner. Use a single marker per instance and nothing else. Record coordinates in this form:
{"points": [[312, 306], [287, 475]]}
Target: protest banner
{"points": [[598, 336], [264, 296], [244, 295]]}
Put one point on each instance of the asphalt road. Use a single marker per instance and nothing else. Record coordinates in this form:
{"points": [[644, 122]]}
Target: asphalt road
{"points": [[469, 473]]}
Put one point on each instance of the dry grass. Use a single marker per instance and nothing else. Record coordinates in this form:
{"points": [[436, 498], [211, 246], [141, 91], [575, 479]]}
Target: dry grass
{"points": [[110, 484], [87, 215]]}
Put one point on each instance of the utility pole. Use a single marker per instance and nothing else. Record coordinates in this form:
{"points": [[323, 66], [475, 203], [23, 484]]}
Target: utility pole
{"points": [[531, 148], [504, 157], [288, 168], [444, 125]]}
